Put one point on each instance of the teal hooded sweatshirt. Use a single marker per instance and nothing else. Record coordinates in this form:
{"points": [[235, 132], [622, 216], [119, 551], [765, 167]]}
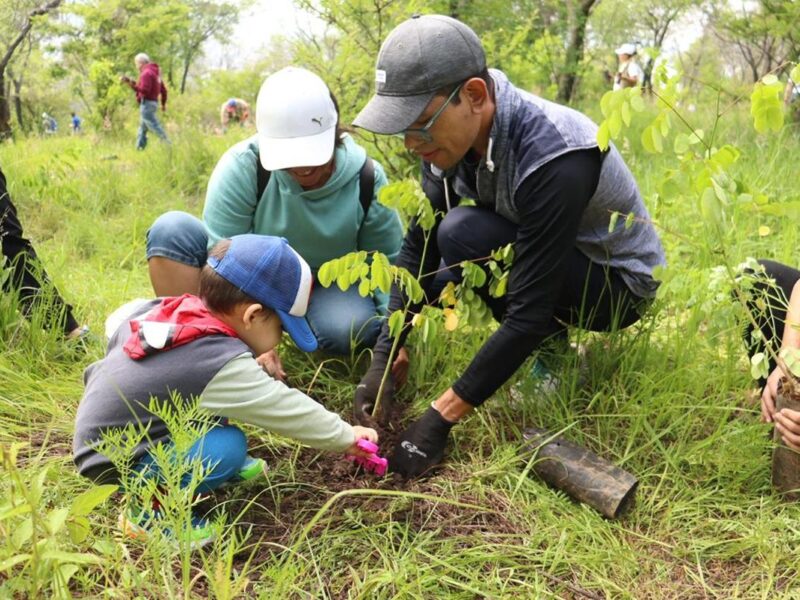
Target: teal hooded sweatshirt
{"points": [[320, 224]]}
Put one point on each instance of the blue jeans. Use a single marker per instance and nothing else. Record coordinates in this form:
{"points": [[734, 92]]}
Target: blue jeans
{"points": [[148, 120], [335, 317], [223, 451]]}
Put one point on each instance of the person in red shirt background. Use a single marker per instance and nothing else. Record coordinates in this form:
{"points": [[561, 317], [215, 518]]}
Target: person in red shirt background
{"points": [[148, 89]]}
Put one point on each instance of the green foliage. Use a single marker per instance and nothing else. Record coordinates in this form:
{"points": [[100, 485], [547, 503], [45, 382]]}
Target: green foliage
{"points": [[40, 551], [411, 203], [766, 104], [617, 107]]}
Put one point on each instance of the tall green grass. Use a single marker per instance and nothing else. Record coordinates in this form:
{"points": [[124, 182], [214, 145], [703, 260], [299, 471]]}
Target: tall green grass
{"points": [[669, 400]]}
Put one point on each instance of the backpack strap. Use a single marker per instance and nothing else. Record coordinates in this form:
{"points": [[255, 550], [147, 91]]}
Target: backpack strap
{"points": [[366, 184], [262, 179], [366, 187]]}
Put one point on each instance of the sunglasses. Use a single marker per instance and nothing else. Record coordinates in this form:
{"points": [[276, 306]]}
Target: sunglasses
{"points": [[423, 133]]}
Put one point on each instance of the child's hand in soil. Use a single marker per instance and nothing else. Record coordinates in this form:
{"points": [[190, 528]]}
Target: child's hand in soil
{"points": [[271, 363], [787, 422], [362, 433], [769, 394]]}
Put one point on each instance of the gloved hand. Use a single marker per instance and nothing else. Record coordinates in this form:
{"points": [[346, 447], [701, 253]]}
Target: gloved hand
{"points": [[367, 393], [421, 446]]}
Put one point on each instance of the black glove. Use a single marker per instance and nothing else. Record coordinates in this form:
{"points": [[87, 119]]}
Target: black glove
{"points": [[421, 446], [367, 392]]}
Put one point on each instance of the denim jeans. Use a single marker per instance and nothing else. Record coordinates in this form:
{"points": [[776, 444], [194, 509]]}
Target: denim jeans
{"points": [[223, 451], [335, 317], [148, 120]]}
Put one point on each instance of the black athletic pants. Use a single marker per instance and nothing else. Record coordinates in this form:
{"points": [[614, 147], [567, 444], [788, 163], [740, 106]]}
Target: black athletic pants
{"points": [[772, 318], [21, 259], [592, 296]]}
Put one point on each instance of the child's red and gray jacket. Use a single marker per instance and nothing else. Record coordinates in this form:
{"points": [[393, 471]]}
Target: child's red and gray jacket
{"points": [[171, 350]]}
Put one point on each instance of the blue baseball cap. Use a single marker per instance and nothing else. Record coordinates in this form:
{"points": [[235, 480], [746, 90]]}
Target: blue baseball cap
{"points": [[268, 269]]}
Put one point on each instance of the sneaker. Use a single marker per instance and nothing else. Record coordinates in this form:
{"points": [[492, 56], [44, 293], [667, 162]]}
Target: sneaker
{"points": [[252, 468], [542, 378], [136, 524]]}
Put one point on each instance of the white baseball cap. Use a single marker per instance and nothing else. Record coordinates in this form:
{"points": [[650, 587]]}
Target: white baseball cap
{"points": [[296, 120], [629, 49]]}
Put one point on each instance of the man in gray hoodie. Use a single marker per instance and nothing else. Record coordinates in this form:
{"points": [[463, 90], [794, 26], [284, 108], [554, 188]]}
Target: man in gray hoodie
{"points": [[538, 180]]}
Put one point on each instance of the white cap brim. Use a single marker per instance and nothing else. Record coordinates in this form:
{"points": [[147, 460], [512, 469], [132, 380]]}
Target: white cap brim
{"points": [[286, 153]]}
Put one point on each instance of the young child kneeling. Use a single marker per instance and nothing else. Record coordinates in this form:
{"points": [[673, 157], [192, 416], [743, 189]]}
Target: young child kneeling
{"points": [[251, 288]]}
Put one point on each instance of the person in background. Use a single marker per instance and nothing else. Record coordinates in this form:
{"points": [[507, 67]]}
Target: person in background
{"points": [[252, 288], [629, 72], [300, 177], [791, 99], [76, 124], [234, 110], [148, 89], [538, 180], [49, 124], [27, 278]]}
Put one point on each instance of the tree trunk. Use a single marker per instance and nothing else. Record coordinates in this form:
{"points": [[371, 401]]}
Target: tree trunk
{"points": [[577, 40], [5, 113], [187, 62], [17, 83]]}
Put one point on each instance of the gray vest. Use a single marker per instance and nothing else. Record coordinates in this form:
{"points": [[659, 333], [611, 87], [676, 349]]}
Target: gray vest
{"points": [[118, 391], [527, 133]]}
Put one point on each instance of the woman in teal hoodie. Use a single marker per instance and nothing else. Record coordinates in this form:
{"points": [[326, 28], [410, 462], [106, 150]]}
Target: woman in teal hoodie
{"points": [[300, 177]]}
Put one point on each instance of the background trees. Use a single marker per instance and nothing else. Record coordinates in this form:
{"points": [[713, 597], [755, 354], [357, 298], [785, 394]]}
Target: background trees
{"points": [[68, 54]]}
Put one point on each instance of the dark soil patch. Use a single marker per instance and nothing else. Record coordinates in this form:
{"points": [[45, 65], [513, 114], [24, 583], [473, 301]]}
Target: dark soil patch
{"points": [[47, 442]]}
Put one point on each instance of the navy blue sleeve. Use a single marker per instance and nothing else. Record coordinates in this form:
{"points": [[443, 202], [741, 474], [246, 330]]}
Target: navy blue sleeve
{"points": [[550, 203]]}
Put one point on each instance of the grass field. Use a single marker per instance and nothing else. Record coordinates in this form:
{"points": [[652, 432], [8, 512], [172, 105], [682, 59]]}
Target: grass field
{"points": [[669, 400]]}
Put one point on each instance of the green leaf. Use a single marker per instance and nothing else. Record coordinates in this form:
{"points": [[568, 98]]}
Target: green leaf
{"points": [[56, 519], [500, 290], [664, 124], [612, 221], [658, 143], [615, 124], [637, 103], [354, 274], [91, 499], [22, 533], [396, 323], [364, 288], [343, 281], [78, 528], [759, 366], [795, 74], [605, 103], [681, 144], [13, 561], [629, 220], [647, 140], [625, 111], [769, 79], [77, 558], [324, 275], [603, 136], [775, 118]]}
